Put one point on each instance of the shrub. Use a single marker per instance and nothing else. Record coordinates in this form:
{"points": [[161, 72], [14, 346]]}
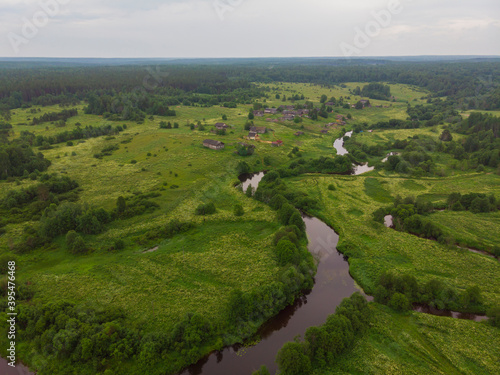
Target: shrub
{"points": [[75, 243], [262, 371], [287, 252], [238, 210], [399, 302], [205, 209], [292, 360], [119, 244], [494, 314]]}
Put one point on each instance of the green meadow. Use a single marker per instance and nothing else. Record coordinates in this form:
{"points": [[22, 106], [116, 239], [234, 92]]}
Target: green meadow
{"points": [[156, 282], [372, 248], [416, 343]]}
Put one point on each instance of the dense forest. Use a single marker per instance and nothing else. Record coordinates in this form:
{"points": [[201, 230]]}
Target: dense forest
{"points": [[470, 84]]}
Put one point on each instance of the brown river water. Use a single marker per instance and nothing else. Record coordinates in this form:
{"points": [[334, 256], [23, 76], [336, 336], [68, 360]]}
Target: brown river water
{"points": [[332, 284]]}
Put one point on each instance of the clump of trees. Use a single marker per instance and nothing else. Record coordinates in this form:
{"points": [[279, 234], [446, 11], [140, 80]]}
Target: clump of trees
{"points": [[206, 209], [400, 291], [74, 135], [474, 202], [375, 91], [273, 191], [409, 215], [17, 158], [323, 345], [245, 150], [72, 216], [135, 205], [92, 339], [51, 189], [63, 116]]}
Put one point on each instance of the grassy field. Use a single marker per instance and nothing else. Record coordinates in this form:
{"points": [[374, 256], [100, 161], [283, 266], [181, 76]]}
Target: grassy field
{"points": [[197, 271], [479, 231], [418, 343], [372, 248], [158, 288]]}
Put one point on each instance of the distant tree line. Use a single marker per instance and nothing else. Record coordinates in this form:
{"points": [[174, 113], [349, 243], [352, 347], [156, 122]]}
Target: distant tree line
{"points": [[208, 84]]}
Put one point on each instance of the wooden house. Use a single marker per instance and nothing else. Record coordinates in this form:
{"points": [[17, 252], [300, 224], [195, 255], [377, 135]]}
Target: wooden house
{"points": [[214, 145]]}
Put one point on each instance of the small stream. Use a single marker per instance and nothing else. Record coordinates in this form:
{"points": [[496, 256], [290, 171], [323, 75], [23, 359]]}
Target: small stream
{"points": [[341, 150]]}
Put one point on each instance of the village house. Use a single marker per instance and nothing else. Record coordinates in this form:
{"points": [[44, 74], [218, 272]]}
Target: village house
{"points": [[221, 126], [330, 124], [277, 143], [258, 129], [330, 104], [324, 131], [366, 103], [258, 113], [299, 134], [252, 135], [287, 118], [272, 111], [214, 145]]}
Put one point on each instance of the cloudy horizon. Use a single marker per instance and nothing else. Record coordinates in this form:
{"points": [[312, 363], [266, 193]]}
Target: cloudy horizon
{"points": [[247, 28]]}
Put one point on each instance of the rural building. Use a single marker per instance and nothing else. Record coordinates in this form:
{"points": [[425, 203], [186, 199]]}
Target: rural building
{"points": [[258, 113], [221, 126], [252, 135], [299, 133], [288, 118], [277, 143], [272, 111], [330, 104], [258, 129], [214, 145], [324, 131]]}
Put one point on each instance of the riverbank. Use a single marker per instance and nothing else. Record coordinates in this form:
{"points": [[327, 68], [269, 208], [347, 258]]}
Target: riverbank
{"points": [[416, 343]]}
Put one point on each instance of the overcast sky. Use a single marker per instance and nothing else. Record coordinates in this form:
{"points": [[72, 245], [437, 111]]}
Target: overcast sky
{"points": [[248, 28]]}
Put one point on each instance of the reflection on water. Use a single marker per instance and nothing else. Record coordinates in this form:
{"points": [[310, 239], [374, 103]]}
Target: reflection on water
{"points": [[389, 221], [251, 179], [20, 369], [389, 154], [339, 144], [341, 150], [332, 284], [360, 169]]}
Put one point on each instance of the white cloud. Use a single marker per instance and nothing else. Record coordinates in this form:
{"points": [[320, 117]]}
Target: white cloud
{"points": [[192, 28]]}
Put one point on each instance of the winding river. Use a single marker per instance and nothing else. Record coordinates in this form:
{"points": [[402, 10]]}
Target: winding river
{"points": [[341, 150], [333, 283]]}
